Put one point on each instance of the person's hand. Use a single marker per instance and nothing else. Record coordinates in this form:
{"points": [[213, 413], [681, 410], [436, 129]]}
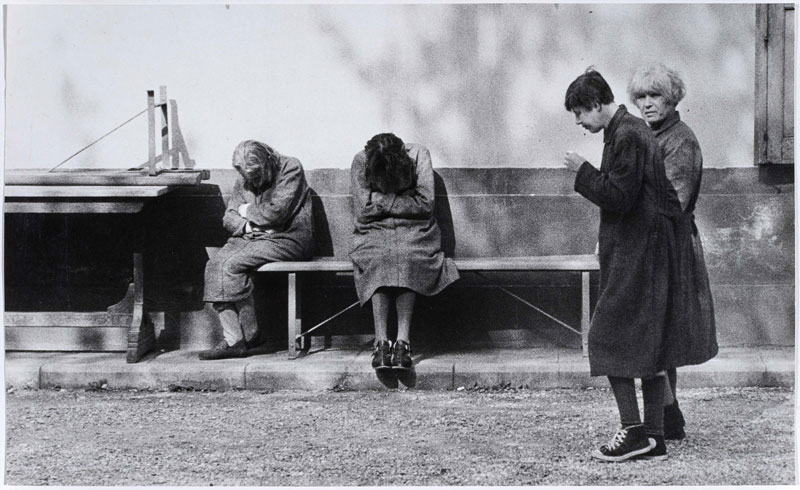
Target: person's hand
{"points": [[597, 248], [573, 161], [243, 210]]}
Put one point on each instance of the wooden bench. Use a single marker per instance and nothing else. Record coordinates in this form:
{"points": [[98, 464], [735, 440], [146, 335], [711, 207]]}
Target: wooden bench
{"points": [[298, 340]]}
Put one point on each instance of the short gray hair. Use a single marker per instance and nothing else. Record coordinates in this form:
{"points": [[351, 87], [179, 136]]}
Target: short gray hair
{"points": [[658, 78]]}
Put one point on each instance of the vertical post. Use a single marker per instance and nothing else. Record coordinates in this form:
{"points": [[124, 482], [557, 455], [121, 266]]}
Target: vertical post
{"points": [[585, 313], [291, 320], [165, 153], [151, 133]]}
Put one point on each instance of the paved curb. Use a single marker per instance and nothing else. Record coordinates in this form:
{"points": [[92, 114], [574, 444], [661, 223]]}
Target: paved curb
{"points": [[350, 369]]}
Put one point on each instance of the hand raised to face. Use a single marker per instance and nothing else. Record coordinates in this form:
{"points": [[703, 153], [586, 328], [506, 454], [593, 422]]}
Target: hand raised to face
{"points": [[573, 161]]}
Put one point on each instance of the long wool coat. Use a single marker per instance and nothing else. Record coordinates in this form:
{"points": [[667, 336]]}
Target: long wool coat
{"points": [[396, 240], [637, 250], [283, 230], [694, 340]]}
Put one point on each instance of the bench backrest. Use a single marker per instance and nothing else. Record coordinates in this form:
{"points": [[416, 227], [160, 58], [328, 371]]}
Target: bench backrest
{"points": [[481, 212]]}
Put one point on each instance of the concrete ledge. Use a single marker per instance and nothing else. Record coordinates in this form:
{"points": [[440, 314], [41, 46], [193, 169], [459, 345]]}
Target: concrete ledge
{"points": [[350, 369]]}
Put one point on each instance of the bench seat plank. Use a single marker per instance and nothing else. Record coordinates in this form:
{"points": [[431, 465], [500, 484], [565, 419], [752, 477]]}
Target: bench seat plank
{"points": [[586, 262]]}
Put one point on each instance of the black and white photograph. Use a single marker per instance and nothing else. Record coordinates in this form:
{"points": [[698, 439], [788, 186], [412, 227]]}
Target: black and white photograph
{"points": [[388, 244]]}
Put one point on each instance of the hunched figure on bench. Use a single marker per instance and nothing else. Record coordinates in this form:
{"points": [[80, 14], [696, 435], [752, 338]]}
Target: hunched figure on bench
{"points": [[397, 251], [269, 218]]}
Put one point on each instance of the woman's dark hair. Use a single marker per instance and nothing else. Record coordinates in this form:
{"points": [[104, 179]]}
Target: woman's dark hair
{"points": [[588, 89], [389, 168]]}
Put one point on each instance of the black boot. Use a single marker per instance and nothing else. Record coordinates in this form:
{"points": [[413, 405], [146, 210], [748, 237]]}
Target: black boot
{"points": [[673, 422], [382, 355], [627, 442], [225, 351], [659, 452]]}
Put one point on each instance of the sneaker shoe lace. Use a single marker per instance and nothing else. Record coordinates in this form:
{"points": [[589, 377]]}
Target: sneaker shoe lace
{"points": [[618, 438]]}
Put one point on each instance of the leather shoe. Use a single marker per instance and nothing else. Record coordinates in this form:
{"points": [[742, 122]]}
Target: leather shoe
{"points": [[224, 351], [382, 355], [401, 355]]}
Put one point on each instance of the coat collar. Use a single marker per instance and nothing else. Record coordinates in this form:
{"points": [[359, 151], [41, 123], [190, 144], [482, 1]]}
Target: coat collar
{"points": [[613, 124], [667, 123]]}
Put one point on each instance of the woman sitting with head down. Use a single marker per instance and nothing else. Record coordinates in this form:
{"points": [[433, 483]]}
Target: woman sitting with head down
{"points": [[397, 250]]}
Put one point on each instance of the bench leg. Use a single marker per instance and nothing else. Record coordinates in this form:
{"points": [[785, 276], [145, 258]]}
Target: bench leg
{"points": [[585, 313], [141, 334], [294, 325]]}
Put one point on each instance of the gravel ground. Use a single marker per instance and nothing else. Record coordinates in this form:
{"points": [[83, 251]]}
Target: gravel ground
{"points": [[468, 437]]}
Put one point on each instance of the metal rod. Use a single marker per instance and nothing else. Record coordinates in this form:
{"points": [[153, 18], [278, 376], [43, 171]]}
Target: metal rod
{"points": [[97, 140], [527, 303], [326, 321]]}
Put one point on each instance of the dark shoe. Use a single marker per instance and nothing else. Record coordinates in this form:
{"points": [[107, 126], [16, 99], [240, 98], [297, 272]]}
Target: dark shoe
{"points": [[401, 355], [659, 452], [225, 351], [626, 443], [673, 422], [382, 355]]}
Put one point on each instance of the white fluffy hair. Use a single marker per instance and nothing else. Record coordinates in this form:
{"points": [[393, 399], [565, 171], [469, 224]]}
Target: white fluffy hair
{"points": [[656, 78]]}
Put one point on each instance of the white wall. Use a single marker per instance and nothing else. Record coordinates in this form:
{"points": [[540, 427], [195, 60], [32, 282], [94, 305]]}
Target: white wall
{"points": [[481, 85]]}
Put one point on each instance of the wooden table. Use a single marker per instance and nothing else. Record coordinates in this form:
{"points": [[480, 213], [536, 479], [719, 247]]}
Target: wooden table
{"points": [[100, 199]]}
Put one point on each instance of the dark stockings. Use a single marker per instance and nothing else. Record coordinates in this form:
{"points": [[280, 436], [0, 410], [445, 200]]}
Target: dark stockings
{"points": [[653, 396]]}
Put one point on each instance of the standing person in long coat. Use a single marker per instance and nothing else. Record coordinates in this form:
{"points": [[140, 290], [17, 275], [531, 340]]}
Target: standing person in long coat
{"points": [[656, 90], [637, 257], [269, 218], [397, 251]]}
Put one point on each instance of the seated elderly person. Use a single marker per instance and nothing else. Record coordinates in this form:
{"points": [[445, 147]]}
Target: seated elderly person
{"points": [[269, 218], [656, 90], [397, 251]]}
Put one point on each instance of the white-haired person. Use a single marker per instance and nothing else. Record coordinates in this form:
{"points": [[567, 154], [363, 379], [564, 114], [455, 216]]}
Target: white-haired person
{"points": [[397, 250], [656, 90], [269, 218]]}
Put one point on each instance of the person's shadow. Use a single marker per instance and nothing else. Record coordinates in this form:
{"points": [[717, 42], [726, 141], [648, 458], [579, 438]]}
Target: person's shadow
{"points": [[443, 215]]}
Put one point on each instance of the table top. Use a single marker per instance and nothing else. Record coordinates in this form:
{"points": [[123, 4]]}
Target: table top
{"points": [[84, 191]]}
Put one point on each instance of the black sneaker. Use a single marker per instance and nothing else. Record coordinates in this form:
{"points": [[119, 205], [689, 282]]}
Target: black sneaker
{"points": [[626, 443], [225, 351], [401, 355], [673, 422], [382, 355], [659, 451]]}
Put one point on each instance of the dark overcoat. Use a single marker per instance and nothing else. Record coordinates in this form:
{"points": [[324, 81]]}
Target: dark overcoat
{"points": [[396, 239], [637, 250], [282, 229], [694, 340]]}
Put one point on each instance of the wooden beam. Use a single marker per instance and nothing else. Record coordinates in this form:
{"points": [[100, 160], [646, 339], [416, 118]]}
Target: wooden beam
{"points": [[113, 339], [151, 132], [73, 207], [103, 177], [61, 319], [78, 191], [586, 262]]}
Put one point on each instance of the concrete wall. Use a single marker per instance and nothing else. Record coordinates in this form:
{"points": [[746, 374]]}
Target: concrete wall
{"points": [[82, 262], [482, 85]]}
